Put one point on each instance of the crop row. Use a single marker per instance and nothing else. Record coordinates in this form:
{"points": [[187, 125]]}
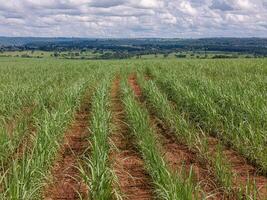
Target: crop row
{"points": [[177, 131]]}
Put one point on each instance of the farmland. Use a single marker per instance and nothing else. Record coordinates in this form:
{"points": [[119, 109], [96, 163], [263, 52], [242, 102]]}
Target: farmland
{"points": [[133, 129]]}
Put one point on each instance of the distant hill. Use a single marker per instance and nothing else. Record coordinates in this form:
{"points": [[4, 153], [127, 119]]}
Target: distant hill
{"points": [[243, 45], [20, 41]]}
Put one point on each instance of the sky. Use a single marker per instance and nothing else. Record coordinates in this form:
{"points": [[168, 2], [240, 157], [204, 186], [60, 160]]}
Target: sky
{"points": [[134, 18]]}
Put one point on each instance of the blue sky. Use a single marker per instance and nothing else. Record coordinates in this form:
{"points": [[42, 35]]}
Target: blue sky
{"points": [[134, 18]]}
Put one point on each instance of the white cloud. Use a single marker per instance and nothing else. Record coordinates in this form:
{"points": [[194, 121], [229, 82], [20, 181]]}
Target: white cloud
{"points": [[168, 18], [245, 4], [186, 7], [133, 18]]}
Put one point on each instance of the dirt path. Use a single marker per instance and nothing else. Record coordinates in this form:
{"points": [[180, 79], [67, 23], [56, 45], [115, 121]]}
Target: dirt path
{"points": [[67, 183], [178, 156], [134, 182]]}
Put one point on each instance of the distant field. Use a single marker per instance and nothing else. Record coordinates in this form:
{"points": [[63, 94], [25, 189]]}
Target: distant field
{"points": [[108, 54], [47, 54], [133, 129]]}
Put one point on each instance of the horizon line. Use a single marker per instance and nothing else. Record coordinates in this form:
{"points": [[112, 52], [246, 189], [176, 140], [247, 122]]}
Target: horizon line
{"points": [[67, 37]]}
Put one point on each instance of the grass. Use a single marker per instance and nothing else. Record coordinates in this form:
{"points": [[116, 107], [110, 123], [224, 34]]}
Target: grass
{"points": [[25, 176], [184, 132], [96, 171], [55, 103], [167, 185], [230, 109], [196, 98]]}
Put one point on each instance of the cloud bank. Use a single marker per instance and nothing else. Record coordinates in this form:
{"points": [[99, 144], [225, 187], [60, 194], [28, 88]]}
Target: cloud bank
{"points": [[134, 18]]}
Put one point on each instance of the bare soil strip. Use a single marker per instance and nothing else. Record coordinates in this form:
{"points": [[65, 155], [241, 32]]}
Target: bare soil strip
{"points": [[66, 183], [244, 172], [134, 182], [178, 157], [135, 87]]}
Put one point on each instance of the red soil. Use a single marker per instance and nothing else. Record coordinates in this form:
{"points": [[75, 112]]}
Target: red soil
{"points": [[244, 172], [178, 156], [133, 180], [134, 85], [67, 183]]}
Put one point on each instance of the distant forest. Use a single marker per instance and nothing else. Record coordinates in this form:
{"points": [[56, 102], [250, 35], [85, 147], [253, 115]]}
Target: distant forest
{"points": [[134, 47]]}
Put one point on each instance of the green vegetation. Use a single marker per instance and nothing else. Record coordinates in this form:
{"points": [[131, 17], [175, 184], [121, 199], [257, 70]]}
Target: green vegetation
{"points": [[168, 186], [216, 108], [113, 54], [224, 102], [100, 178], [85, 48], [186, 133]]}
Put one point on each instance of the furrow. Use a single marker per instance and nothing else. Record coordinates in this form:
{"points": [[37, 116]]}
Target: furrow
{"points": [[245, 175], [133, 180], [244, 179], [66, 181], [179, 157]]}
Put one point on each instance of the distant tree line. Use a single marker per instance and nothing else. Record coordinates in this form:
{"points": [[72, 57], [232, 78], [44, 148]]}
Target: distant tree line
{"points": [[127, 48]]}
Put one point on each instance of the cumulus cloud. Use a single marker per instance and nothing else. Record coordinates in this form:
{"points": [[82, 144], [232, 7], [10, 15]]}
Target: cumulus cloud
{"points": [[133, 18], [221, 5], [186, 7]]}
